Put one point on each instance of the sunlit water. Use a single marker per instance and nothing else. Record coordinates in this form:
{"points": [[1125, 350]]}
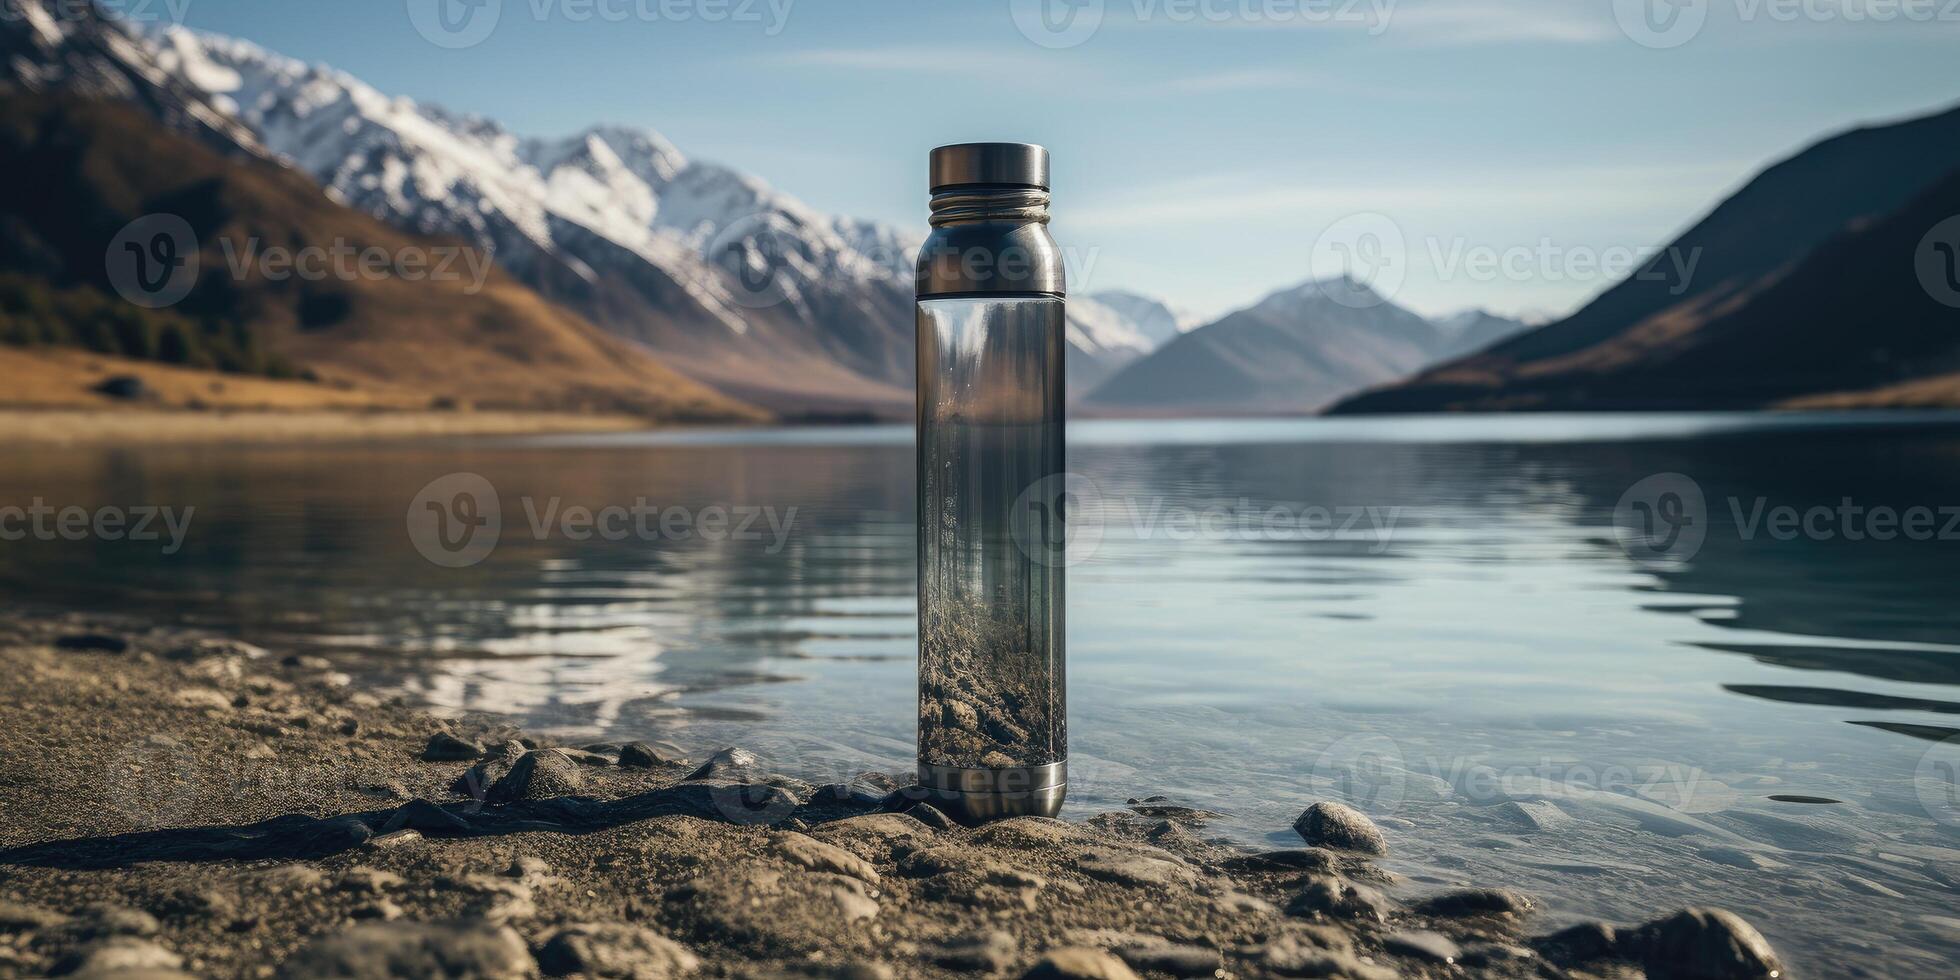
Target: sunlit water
{"points": [[1426, 617]]}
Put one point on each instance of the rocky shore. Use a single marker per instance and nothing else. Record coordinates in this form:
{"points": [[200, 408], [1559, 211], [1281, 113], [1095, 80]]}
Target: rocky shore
{"points": [[181, 805]]}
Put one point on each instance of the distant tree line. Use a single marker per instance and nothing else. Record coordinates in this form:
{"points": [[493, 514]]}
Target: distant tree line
{"points": [[33, 313]]}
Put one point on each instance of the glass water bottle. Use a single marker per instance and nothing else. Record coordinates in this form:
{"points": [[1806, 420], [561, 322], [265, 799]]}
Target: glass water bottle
{"points": [[993, 730]]}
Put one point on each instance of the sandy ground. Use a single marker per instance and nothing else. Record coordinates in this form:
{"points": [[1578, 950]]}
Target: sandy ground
{"points": [[177, 805]]}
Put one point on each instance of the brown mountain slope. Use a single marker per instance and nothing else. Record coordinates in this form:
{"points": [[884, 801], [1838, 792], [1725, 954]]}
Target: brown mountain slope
{"points": [[1742, 250], [83, 169]]}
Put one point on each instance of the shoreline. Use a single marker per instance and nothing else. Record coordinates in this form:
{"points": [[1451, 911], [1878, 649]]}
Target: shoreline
{"points": [[191, 805], [135, 426]]}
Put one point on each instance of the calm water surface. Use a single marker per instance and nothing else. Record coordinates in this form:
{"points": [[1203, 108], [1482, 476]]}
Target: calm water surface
{"points": [[1437, 620]]}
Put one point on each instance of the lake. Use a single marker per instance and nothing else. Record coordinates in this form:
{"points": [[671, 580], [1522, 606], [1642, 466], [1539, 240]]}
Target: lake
{"points": [[1623, 663]]}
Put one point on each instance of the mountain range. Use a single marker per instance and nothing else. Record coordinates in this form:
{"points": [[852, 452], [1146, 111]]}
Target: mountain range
{"points": [[1293, 352], [1817, 283], [693, 289]]}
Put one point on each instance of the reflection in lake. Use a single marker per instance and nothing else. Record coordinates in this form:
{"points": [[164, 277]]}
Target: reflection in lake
{"points": [[1433, 619]]}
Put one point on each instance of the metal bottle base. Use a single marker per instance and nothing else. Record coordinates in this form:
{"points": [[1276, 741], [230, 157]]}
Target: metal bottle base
{"points": [[975, 796]]}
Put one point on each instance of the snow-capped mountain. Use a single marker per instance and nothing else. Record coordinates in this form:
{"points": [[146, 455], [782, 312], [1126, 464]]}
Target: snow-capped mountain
{"points": [[1158, 322], [1469, 331], [729, 279], [1292, 352]]}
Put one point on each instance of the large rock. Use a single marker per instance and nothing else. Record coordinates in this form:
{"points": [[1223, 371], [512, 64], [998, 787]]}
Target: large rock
{"points": [[540, 775], [412, 949], [1342, 827], [1703, 944], [614, 949]]}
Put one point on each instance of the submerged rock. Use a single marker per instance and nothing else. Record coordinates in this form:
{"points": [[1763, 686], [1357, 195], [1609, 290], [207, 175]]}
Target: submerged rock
{"points": [[1703, 944], [614, 949], [1337, 825], [1476, 901]]}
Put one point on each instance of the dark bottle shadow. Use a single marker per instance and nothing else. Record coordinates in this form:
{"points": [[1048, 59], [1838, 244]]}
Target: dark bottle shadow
{"points": [[300, 837]]}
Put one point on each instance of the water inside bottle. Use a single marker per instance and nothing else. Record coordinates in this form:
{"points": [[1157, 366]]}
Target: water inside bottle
{"points": [[991, 461]]}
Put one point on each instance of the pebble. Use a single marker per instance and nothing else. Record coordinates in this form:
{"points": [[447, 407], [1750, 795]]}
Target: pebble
{"points": [[1300, 956], [1156, 955], [932, 817], [1423, 945], [1130, 868], [808, 852], [1704, 944], [293, 878], [539, 775], [99, 919], [614, 949], [444, 747], [119, 955], [884, 828], [1337, 825], [1337, 899], [731, 765], [528, 867], [1582, 943], [21, 917], [584, 757], [639, 755], [1475, 901], [988, 952], [1079, 963], [378, 910], [367, 881], [1292, 859], [380, 949], [203, 649]]}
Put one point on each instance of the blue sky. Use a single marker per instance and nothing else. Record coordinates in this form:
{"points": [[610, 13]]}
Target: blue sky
{"points": [[1207, 151]]}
